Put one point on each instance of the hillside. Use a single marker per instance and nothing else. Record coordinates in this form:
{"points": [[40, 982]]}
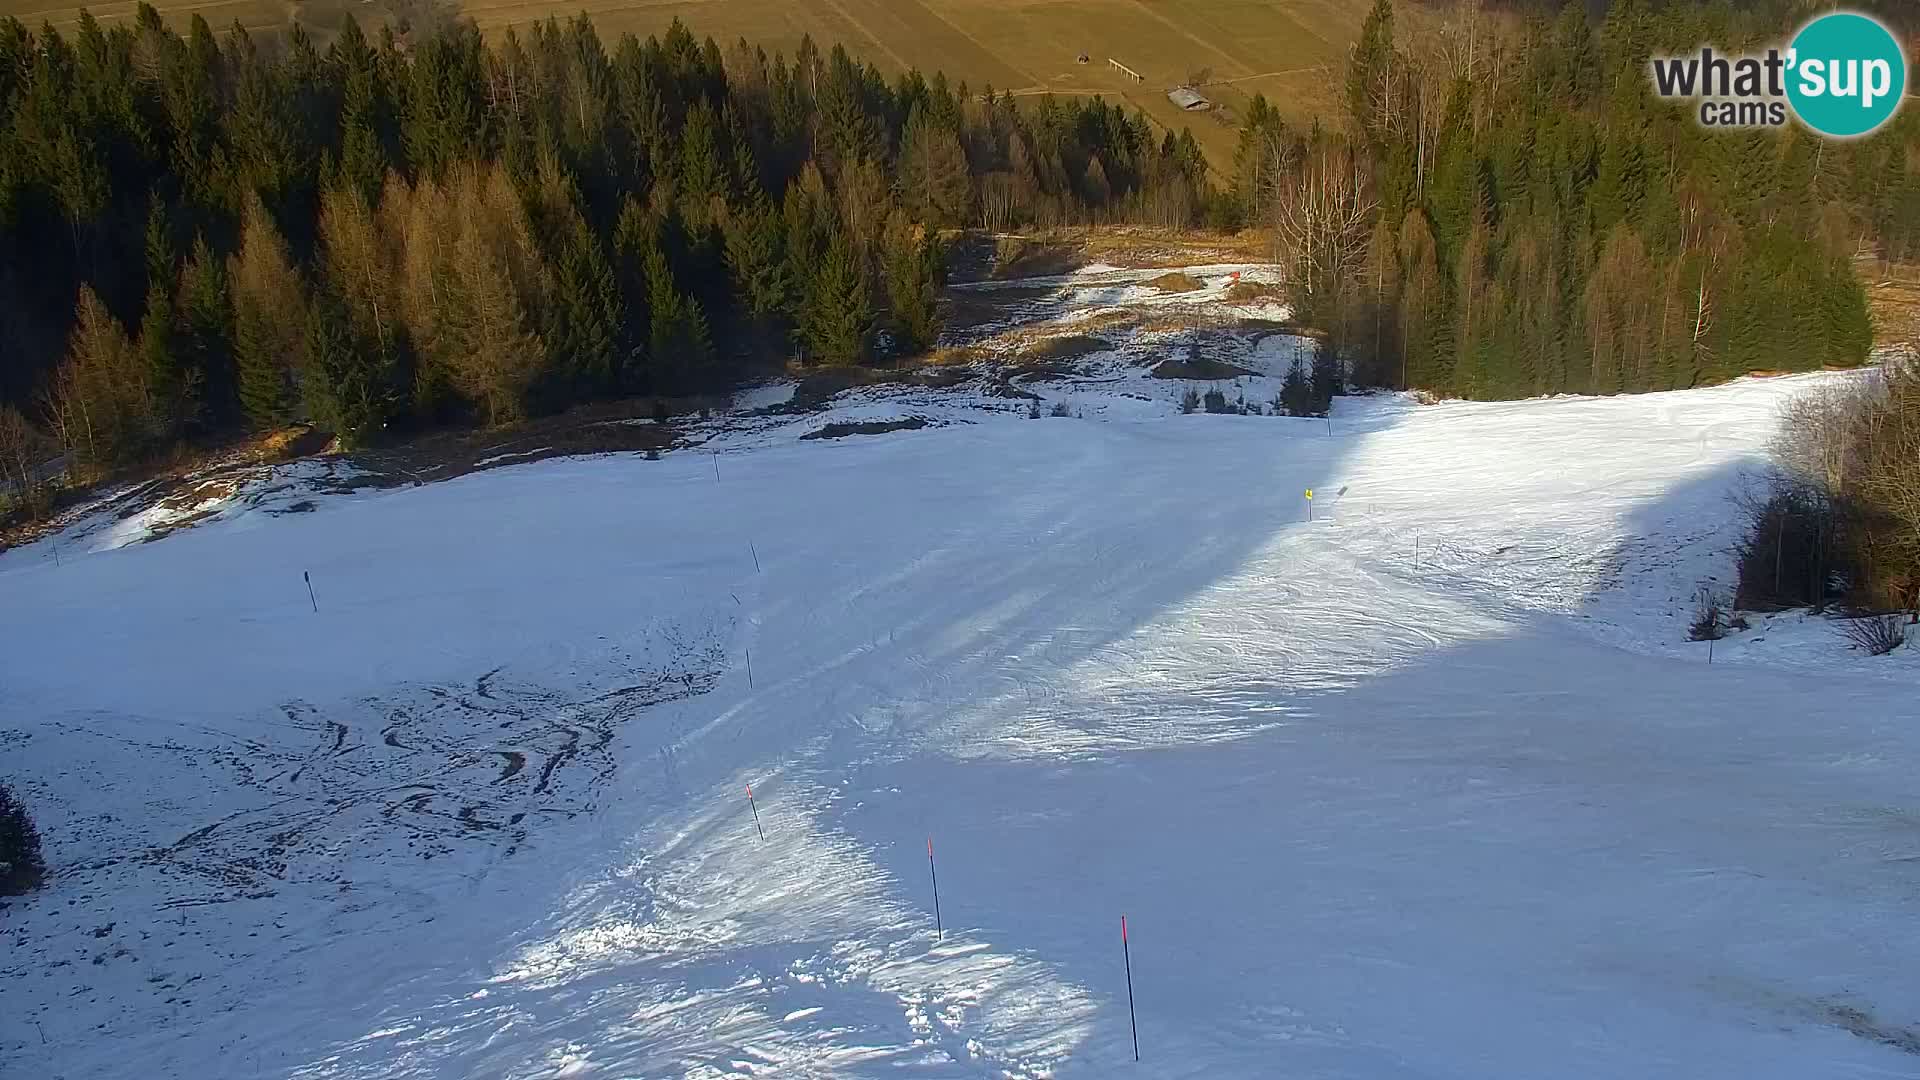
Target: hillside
{"points": [[1290, 50], [1424, 780]]}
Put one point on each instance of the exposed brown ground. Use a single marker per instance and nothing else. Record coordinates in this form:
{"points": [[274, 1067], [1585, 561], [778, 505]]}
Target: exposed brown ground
{"points": [[1894, 292]]}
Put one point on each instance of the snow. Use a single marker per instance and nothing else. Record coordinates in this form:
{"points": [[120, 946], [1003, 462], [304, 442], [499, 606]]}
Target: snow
{"points": [[1091, 292], [499, 458], [1483, 814]]}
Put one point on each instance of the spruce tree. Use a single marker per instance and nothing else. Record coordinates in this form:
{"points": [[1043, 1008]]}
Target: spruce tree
{"points": [[351, 387], [1325, 377], [757, 262], [1296, 390], [204, 341], [21, 862], [702, 170], [913, 264], [680, 341], [837, 319], [173, 387], [581, 330]]}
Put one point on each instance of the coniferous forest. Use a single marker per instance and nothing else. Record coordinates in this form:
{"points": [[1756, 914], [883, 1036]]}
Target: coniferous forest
{"points": [[203, 234], [1513, 213]]}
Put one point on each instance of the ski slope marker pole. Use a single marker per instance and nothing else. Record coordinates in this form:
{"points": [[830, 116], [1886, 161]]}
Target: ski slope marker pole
{"points": [[307, 576], [1127, 955], [749, 669], [756, 556], [939, 931], [716, 466], [756, 814]]}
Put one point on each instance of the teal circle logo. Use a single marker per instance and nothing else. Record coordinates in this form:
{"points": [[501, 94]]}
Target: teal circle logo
{"points": [[1846, 75]]}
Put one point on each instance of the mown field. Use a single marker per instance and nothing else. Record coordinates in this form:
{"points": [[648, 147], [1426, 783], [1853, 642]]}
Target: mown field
{"points": [[1290, 50]]}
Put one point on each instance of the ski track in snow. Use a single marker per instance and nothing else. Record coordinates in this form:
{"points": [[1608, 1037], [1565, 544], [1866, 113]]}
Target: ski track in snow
{"points": [[1430, 785]]}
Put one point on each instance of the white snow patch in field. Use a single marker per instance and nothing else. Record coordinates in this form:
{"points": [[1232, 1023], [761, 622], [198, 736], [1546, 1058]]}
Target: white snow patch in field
{"points": [[765, 395], [498, 458]]}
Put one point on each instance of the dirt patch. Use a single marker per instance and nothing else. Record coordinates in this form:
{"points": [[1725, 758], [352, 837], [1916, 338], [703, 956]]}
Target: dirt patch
{"points": [[972, 309], [597, 429], [1864, 1025], [1176, 282], [290, 443], [1055, 357], [818, 387], [870, 427], [1246, 292], [1198, 367], [1025, 257]]}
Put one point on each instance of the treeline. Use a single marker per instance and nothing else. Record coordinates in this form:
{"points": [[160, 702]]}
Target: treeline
{"points": [[1514, 213], [201, 235]]}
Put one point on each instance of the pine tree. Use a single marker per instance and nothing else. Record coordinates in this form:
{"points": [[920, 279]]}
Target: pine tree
{"points": [[680, 344], [837, 319], [1326, 379], [581, 330], [352, 388], [363, 158], [269, 321], [762, 282], [847, 133], [1369, 66], [702, 171], [171, 384], [1296, 390], [933, 171], [173, 388], [914, 267], [204, 341], [21, 863]]}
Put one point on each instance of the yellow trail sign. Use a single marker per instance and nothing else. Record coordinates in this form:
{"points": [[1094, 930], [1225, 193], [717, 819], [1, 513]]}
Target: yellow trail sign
{"points": [[1309, 494]]}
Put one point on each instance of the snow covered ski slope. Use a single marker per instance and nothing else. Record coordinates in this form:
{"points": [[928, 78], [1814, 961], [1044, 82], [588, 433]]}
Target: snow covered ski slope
{"points": [[1428, 786]]}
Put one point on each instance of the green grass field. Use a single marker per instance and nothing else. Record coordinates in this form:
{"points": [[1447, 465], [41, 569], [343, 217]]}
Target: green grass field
{"points": [[1289, 50]]}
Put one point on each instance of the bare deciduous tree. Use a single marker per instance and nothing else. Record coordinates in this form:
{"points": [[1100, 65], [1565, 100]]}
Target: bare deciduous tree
{"points": [[1321, 209]]}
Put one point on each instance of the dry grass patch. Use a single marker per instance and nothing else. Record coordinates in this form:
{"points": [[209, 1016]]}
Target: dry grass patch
{"points": [[1176, 282], [1070, 347], [1246, 292]]}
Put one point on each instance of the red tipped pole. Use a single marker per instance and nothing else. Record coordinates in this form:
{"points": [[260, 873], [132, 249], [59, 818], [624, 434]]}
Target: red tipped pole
{"points": [[1127, 955], [939, 931], [756, 814]]}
